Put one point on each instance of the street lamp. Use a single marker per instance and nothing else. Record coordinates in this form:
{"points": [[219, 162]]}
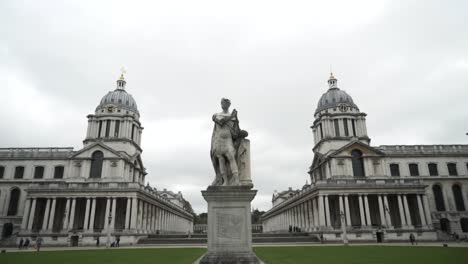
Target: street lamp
{"points": [[108, 231], [343, 228]]}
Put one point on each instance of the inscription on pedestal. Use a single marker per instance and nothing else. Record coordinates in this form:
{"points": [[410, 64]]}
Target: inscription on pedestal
{"points": [[229, 226]]}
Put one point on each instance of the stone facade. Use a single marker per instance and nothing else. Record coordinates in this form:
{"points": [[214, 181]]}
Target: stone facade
{"points": [[379, 193], [70, 197]]}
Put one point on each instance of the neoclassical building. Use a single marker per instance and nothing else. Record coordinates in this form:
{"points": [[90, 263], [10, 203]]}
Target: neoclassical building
{"points": [[379, 193], [73, 197]]}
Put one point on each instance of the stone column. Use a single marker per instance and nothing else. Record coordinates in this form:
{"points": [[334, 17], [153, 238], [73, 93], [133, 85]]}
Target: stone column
{"points": [[158, 218], [114, 208], [402, 212], [72, 214], [31, 215], [93, 212], [127, 213], [381, 211], [316, 213], [427, 211], [322, 220], [106, 214], [133, 219], [86, 219], [348, 213], [50, 225], [327, 211], [421, 211], [46, 215], [311, 214], [387, 211], [27, 207], [407, 212], [65, 218], [361, 211], [341, 208], [144, 223], [366, 207]]}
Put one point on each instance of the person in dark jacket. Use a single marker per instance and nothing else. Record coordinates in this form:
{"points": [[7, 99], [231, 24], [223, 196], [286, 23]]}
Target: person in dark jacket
{"points": [[20, 246]]}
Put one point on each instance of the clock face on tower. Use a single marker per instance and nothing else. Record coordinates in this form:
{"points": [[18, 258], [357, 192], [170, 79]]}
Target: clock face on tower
{"points": [[343, 107]]}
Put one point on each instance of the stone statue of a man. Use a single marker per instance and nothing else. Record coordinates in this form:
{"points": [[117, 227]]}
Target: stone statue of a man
{"points": [[225, 143]]}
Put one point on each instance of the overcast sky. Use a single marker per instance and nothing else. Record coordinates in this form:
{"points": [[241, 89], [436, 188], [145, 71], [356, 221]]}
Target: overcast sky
{"points": [[405, 63]]}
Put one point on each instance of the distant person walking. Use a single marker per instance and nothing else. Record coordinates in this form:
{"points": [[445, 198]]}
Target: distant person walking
{"points": [[38, 243], [412, 239], [26, 243], [117, 242], [20, 246]]}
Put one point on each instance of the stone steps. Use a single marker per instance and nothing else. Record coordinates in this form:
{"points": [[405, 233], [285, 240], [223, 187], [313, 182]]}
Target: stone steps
{"points": [[202, 238]]}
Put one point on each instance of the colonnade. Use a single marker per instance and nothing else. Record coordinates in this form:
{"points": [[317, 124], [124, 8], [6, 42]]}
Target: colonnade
{"points": [[100, 214], [328, 211]]}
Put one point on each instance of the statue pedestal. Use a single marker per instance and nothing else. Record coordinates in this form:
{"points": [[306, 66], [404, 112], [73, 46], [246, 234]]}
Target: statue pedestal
{"points": [[229, 225]]}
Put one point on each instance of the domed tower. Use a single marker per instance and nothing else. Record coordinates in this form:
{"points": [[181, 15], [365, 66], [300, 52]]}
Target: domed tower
{"points": [[116, 121], [338, 120]]}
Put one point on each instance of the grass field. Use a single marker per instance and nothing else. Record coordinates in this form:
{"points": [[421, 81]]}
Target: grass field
{"points": [[117, 256], [271, 255], [363, 255]]}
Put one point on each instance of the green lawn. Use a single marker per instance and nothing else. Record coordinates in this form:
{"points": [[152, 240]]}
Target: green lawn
{"points": [[363, 255], [271, 255], [117, 256]]}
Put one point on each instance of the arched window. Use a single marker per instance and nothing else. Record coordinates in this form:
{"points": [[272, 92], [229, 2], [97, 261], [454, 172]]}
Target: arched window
{"points": [[358, 163], [438, 197], [14, 200], [464, 225], [96, 164], [458, 196]]}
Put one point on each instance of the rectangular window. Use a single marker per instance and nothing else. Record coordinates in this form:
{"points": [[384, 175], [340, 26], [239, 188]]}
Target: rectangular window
{"points": [[58, 172], [433, 171], [452, 169], [117, 128], [353, 124], [394, 170], [107, 128], [413, 169], [337, 127], [19, 172], [321, 132], [133, 131], [100, 129], [38, 172], [346, 130], [2, 171]]}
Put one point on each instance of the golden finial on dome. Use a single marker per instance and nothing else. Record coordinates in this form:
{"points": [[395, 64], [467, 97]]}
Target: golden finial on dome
{"points": [[123, 71]]}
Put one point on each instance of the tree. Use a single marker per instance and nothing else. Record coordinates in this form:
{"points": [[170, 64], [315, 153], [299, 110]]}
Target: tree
{"points": [[256, 215]]}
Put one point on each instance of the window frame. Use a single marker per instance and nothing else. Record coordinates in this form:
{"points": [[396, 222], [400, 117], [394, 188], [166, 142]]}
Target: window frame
{"points": [[416, 165], [16, 176], [398, 170], [56, 169], [336, 124], [35, 172], [2, 171], [455, 168], [436, 168]]}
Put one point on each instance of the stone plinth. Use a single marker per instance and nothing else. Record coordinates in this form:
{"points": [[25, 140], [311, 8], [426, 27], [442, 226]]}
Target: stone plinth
{"points": [[229, 225]]}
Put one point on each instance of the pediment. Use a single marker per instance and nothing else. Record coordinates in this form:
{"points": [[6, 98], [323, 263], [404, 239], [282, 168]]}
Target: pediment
{"points": [[88, 151]]}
